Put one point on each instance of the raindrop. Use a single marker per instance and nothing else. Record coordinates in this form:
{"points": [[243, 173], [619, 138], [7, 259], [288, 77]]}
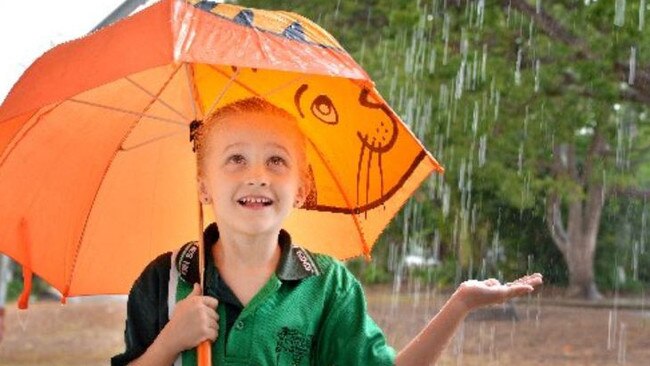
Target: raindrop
{"points": [[610, 330], [363, 51], [474, 218], [475, 117], [384, 54], [526, 123], [619, 14], [459, 341], [446, 198], [460, 77], [461, 177], [431, 67], [635, 261], [620, 153], [480, 10], [537, 75], [445, 37], [630, 79], [641, 15], [538, 313], [644, 217], [520, 160], [496, 105], [482, 147], [621, 343], [24, 318], [484, 63], [518, 67], [444, 97], [474, 70], [604, 189]]}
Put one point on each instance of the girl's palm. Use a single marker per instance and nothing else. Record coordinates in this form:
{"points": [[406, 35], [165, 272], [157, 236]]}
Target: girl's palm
{"points": [[474, 294]]}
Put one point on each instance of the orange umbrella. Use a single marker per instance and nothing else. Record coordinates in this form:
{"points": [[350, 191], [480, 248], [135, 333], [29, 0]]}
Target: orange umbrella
{"points": [[97, 174]]}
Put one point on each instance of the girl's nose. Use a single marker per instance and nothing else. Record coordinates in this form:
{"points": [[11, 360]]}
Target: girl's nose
{"points": [[257, 176]]}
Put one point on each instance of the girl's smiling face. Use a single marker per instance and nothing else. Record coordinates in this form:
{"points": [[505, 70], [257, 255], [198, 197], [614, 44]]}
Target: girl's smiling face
{"points": [[251, 172]]}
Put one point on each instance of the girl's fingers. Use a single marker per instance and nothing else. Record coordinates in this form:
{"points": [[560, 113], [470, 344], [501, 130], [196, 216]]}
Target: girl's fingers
{"points": [[519, 290], [492, 282], [532, 280], [212, 314], [210, 301]]}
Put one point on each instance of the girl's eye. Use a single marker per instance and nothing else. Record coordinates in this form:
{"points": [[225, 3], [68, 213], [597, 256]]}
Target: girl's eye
{"points": [[237, 159], [277, 160]]}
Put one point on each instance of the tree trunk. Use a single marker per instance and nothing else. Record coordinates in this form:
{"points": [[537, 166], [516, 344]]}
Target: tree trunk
{"points": [[580, 261], [578, 241]]}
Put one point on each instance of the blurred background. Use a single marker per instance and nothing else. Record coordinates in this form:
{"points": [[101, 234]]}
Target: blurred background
{"points": [[540, 113]]}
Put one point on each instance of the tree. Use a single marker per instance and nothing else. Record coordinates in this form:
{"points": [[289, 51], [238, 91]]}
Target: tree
{"points": [[537, 106]]}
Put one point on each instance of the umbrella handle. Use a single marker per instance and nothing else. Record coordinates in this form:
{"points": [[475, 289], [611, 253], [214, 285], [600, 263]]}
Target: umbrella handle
{"points": [[204, 354]]}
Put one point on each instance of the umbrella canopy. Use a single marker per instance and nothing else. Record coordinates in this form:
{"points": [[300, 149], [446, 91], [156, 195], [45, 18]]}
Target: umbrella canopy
{"points": [[97, 173]]}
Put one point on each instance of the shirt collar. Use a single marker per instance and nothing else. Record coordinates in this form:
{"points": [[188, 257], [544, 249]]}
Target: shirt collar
{"points": [[295, 262]]}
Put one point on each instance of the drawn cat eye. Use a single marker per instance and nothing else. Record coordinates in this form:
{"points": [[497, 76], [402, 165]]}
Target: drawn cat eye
{"points": [[323, 109]]}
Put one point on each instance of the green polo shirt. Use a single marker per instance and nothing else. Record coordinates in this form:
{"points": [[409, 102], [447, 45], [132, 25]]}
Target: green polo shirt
{"points": [[312, 311]]}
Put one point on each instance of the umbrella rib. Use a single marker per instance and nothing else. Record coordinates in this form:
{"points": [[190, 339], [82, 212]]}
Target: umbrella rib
{"points": [[248, 88], [355, 219], [146, 142], [191, 90], [278, 88], [20, 134], [77, 249], [159, 99], [223, 92], [126, 111]]}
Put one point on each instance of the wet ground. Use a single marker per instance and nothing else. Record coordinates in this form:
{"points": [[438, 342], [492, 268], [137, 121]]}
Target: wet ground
{"points": [[535, 331]]}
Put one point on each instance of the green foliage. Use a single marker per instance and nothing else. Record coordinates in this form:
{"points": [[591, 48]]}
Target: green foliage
{"points": [[369, 273], [490, 91], [15, 287], [623, 259]]}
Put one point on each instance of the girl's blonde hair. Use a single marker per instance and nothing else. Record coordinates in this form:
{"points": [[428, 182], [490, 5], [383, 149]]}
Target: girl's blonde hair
{"points": [[251, 105]]}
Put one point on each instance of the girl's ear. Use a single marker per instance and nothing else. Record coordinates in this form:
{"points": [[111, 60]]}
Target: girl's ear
{"points": [[303, 192], [300, 196], [204, 195]]}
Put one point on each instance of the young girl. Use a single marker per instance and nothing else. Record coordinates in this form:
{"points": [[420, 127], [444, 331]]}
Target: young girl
{"points": [[267, 301]]}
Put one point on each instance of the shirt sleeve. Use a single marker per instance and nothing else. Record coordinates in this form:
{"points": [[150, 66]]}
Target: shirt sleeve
{"points": [[146, 310], [349, 336]]}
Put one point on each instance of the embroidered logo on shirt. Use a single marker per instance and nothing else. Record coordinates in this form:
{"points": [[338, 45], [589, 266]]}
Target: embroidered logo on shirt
{"points": [[293, 343], [306, 263], [187, 263]]}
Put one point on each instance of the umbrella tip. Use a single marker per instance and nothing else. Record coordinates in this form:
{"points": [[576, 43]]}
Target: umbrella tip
{"points": [[23, 300]]}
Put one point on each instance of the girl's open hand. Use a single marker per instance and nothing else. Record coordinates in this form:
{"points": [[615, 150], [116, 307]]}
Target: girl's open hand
{"points": [[193, 321], [474, 294]]}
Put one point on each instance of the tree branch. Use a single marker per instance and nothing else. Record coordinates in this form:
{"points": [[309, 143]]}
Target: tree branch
{"points": [[633, 192], [554, 222], [550, 26], [596, 149], [595, 202], [639, 93]]}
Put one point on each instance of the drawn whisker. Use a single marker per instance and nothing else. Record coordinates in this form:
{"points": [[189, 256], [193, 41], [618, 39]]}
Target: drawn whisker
{"points": [[381, 178], [363, 148], [365, 213]]}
